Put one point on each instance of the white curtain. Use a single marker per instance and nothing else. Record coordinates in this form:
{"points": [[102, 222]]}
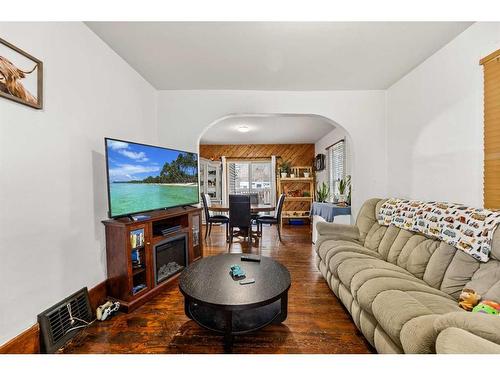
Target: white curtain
{"points": [[224, 181], [273, 180]]}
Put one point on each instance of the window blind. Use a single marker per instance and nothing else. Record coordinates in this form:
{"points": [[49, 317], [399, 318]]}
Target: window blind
{"points": [[336, 165], [491, 66]]}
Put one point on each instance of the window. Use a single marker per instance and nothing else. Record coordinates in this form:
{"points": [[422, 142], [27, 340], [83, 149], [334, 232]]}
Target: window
{"points": [[491, 66], [336, 166], [246, 177]]}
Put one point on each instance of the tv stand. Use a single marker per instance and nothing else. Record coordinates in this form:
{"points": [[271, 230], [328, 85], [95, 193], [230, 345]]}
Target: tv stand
{"points": [[132, 282]]}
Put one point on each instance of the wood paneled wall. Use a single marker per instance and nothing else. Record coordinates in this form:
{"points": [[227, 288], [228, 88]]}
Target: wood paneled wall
{"points": [[491, 65], [297, 154]]}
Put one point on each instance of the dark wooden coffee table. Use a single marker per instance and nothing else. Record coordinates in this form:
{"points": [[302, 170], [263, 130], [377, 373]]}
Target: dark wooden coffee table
{"points": [[217, 302]]}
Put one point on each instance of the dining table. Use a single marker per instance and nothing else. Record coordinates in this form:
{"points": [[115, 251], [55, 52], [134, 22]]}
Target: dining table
{"points": [[254, 208]]}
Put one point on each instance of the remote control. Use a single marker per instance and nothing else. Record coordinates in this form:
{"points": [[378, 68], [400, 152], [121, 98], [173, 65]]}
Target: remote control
{"points": [[250, 258], [247, 281]]}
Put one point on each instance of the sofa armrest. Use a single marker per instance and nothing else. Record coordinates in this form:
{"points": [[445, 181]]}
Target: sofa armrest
{"points": [[340, 231], [482, 325], [458, 341]]}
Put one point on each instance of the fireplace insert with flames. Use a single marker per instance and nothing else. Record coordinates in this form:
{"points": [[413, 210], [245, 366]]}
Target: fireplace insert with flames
{"points": [[170, 257]]}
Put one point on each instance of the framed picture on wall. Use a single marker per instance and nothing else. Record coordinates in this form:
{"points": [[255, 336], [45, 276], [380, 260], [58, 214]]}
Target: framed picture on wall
{"points": [[21, 76]]}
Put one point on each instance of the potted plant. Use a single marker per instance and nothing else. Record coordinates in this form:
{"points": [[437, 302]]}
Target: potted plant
{"points": [[285, 168], [344, 184], [322, 193]]}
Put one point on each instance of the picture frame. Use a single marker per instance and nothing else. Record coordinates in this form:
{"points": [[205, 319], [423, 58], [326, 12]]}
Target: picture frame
{"points": [[21, 76]]}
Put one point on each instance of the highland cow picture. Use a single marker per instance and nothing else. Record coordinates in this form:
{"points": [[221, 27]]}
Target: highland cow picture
{"points": [[21, 76]]}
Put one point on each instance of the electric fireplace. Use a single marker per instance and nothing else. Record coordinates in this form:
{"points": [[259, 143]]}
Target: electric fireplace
{"points": [[170, 257]]}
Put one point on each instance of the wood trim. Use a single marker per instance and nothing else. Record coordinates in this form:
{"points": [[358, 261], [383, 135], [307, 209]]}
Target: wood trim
{"points": [[490, 57], [28, 341]]}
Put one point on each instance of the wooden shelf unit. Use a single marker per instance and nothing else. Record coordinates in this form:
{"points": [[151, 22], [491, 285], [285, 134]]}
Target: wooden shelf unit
{"points": [[297, 207], [122, 275]]}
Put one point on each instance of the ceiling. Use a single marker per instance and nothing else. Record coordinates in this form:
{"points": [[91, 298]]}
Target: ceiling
{"points": [[275, 55], [268, 129]]}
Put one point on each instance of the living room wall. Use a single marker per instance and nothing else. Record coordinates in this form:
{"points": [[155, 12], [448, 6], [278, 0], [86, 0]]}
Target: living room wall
{"points": [[435, 122], [320, 146], [184, 115], [53, 180]]}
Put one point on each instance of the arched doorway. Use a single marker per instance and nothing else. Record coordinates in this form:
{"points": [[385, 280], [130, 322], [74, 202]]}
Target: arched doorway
{"points": [[296, 138]]}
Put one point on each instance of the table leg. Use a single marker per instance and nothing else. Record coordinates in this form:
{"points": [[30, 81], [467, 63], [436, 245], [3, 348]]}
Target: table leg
{"points": [[186, 308], [228, 334], [284, 307]]}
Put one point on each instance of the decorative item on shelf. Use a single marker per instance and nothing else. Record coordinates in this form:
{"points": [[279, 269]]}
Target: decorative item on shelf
{"points": [[344, 184], [285, 168], [306, 174], [323, 193], [294, 193]]}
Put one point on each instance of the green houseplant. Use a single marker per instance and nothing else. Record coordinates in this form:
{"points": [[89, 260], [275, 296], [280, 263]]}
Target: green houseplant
{"points": [[285, 168], [344, 185], [322, 193]]}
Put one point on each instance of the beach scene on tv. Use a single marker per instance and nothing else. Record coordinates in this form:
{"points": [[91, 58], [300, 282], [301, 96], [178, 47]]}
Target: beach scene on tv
{"points": [[143, 178]]}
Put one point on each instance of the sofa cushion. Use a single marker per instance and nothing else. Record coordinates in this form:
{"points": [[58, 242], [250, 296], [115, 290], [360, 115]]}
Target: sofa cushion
{"points": [[330, 245], [460, 271], [337, 259], [366, 217], [486, 280], [458, 341], [372, 288], [346, 269], [395, 308]]}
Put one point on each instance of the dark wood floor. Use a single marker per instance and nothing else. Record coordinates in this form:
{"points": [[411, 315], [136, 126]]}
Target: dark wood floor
{"points": [[316, 323]]}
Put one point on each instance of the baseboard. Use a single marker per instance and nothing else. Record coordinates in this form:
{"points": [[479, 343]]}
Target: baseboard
{"points": [[28, 342]]}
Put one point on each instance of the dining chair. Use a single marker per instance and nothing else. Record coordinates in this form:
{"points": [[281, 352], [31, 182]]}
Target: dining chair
{"points": [[211, 219], [240, 216], [275, 219]]}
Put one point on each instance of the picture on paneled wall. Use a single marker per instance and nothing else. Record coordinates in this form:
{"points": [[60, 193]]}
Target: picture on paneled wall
{"points": [[21, 76]]}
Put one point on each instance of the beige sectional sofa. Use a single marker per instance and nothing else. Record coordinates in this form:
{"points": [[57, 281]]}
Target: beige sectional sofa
{"points": [[402, 288]]}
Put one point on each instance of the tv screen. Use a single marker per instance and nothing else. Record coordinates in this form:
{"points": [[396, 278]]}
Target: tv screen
{"points": [[144, 178]]}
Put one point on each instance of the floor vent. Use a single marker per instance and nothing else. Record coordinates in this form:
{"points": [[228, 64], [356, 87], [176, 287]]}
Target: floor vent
{"points": [[60, 322]]}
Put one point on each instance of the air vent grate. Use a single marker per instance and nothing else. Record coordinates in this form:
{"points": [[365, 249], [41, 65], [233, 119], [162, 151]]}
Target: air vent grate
{"points": [[56, 323]]}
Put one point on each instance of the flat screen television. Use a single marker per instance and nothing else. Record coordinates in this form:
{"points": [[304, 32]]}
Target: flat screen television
{"points": [[144, 178]]}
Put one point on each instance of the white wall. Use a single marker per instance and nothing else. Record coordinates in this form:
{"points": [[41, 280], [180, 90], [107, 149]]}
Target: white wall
{"points": [[435, 122], [184, 115], [52, 180], [334, 136]]}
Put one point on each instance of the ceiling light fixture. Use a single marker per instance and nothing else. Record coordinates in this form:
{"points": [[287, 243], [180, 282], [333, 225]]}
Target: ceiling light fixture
{"points": [[243, 128]]}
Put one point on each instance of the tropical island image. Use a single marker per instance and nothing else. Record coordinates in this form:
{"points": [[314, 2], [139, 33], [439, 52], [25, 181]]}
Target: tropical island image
{"points": [[143, 177]]}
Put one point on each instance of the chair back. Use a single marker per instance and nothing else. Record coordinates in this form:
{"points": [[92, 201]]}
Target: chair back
{"points": [[239, 211], [206, 204], [279, 208], [254, 198]]}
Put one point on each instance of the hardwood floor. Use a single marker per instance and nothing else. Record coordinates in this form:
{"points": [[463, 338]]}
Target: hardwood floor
{"points": [[316, 323]]}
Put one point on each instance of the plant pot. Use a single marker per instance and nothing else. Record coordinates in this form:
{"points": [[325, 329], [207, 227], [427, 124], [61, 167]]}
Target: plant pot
{"points": [[342, 198], [283, 174], [292, 175], [306, 174]]}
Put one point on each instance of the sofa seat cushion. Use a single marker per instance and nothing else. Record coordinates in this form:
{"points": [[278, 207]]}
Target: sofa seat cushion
{"points": [[342, 256], [394, 309], [346, 268], [330, 247], [367, 293]]}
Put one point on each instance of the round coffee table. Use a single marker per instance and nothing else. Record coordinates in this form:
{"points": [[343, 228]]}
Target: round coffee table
{"points": [[217, 302]]}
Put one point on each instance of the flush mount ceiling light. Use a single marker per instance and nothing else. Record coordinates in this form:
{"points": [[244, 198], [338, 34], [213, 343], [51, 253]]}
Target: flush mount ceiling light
{"points": [[243, 128]]}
